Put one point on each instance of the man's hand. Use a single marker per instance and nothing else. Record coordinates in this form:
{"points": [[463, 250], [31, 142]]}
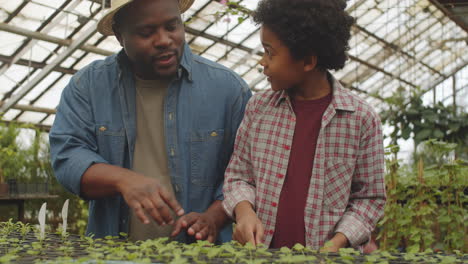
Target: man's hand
{"points": [[204, 226], [144, 195], [148, 198], [334, 245], [248, 228], [201, 226]]}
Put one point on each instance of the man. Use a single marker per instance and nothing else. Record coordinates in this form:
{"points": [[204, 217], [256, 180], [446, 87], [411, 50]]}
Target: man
{"points": [[147, 133]]}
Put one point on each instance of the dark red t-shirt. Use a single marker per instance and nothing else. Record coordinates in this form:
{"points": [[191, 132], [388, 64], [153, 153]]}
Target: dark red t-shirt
{"points": [[290, 225]]}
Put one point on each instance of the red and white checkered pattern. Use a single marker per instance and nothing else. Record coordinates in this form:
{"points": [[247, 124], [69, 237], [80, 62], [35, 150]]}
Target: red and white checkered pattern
{"points": [[347, 191]]}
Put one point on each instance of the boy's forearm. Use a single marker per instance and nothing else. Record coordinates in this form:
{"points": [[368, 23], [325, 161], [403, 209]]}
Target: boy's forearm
{"points": [[243, 208], [358, 224], [339, 240]]}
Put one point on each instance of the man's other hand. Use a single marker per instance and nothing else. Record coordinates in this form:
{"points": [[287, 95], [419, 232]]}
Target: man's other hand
{"points": [[147, 197], [203, 226]]}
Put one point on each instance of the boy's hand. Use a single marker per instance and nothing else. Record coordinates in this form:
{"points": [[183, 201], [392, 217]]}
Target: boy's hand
{"points": [[248, 228]]}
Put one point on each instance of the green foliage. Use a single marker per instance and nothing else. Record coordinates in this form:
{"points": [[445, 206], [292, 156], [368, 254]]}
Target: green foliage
{"points": [[32, 165], [15, 248], [426, 205], [233, 9], [409, 118], [12, 156]]}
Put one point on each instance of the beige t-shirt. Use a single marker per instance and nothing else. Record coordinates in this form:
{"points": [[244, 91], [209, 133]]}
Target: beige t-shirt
{"points": [[150, 158]]}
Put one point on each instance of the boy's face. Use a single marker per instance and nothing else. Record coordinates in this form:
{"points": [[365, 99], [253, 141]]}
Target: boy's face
{"points": [[152, 34], [283, 71]]}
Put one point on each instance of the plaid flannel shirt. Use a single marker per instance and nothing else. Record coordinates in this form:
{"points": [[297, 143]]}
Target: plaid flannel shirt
{"points": [[347, 190]]}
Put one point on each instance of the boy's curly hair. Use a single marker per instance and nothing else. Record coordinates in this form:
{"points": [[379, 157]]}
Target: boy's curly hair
{"points": [[309, 27]]}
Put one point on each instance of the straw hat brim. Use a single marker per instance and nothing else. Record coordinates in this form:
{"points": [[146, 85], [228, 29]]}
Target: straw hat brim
{"points": [[105, 24]]}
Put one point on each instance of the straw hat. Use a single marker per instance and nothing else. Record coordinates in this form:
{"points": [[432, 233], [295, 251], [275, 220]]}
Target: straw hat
{"points": [[105, 24]]}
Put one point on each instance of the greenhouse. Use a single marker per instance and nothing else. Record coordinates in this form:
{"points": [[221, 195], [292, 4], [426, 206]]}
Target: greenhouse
{"points": [[61, 125]]}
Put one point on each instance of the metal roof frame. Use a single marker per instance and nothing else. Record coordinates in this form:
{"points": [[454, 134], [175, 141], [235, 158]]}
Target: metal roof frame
{"points": [[397, 62]]}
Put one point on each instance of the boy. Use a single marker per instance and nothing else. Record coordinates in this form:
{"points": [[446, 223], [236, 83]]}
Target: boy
{"points": [[308, 161]]}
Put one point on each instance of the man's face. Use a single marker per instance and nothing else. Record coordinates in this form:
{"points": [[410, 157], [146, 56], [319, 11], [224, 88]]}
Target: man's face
{"points": [[152, 35], [282, 70]]}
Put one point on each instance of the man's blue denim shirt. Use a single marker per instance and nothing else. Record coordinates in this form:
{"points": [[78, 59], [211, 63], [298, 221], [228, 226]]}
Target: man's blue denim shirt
{"points": [[96, 123]]}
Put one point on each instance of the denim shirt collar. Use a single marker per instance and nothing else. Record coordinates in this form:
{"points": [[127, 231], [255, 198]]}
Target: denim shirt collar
{"points": [[186, 63]]}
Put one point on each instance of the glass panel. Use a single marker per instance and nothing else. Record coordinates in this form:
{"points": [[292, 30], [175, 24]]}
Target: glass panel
{"points": [[31, 117], [397, 29]]}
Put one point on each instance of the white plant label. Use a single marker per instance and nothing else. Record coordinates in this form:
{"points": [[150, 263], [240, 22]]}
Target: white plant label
{"points": [[42, 220], [64, 217]]}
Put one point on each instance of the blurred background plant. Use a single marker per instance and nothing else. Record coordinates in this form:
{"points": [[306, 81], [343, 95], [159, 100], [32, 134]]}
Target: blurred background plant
{"points": [[409, 118], [426, 202], [29, 162]]}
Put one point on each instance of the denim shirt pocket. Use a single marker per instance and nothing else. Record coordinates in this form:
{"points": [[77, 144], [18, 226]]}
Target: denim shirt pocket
{"points": [[205, 151], [337, 185], [111, 143]]}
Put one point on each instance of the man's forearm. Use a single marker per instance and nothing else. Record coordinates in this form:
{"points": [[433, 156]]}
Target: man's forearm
{"points": [[216, 210], [102, 180]]}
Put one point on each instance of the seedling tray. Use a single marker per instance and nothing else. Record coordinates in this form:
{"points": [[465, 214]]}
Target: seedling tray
{"points": [[25, 247]]}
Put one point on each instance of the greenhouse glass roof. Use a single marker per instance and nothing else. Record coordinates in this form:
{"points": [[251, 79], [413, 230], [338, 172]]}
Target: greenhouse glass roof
{"points": [[395, 44]]}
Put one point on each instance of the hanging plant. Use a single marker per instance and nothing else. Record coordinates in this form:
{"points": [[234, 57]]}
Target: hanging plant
{"points": [[410, 118]]}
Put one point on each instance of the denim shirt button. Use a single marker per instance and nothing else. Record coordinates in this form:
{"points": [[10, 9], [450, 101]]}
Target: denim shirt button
{"points": [[179, 73]]}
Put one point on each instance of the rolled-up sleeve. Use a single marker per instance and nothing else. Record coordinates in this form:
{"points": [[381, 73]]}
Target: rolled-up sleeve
{"points": [[367, 198], [239, 182], [237, 113], [72, 138]]}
